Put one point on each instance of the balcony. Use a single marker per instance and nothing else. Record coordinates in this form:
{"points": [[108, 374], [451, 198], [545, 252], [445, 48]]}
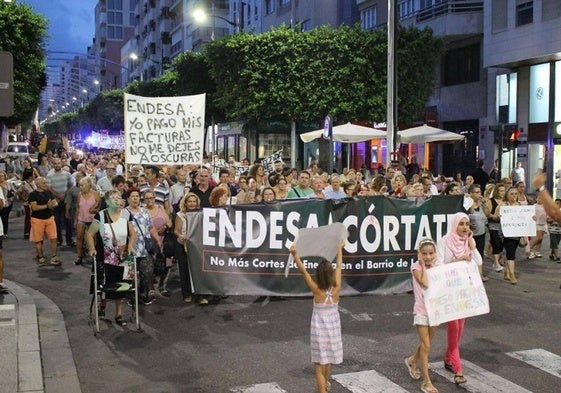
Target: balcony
{"points": [[453, 18]]}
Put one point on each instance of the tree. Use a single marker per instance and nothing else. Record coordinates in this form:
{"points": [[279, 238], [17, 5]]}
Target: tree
{"points": [[23, 33], [342, 72]]}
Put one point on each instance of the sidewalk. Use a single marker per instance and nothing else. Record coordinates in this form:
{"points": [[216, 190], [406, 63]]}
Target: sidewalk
{"points": [[36, 354]]}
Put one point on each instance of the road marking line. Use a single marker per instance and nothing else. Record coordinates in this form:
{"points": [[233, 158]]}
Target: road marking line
{"points": [[356, 317], [5, 307], [259, 388], [479, 380], [7, 322], [540, 358], [368, 382]]}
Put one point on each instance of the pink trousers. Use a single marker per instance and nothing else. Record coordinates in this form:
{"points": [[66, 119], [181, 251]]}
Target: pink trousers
{"points": [[455, 329]]}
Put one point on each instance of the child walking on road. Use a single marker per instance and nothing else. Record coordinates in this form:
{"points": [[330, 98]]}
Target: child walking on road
{"points": [[325, 333], [427, 259]]}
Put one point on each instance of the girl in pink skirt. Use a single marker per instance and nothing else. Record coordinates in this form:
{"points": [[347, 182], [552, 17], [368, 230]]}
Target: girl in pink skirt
{"points": [[325, 333]]}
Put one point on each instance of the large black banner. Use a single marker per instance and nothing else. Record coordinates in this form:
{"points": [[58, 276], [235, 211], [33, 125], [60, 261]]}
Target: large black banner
{"points": [[243, 249]]}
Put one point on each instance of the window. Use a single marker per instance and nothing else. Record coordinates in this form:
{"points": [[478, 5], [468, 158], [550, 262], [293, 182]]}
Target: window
{"points": [[405, 8], [368, 18], [269, 6], [524, 13], [462, 65], [426, 3], [114, 4], [284, 3], [114, 18]]}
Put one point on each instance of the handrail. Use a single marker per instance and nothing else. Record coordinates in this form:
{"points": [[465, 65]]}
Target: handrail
{"points": [[448, 8]]}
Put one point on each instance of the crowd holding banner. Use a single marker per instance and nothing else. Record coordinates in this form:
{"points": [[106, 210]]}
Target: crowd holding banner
{"points": [[243, 249]]}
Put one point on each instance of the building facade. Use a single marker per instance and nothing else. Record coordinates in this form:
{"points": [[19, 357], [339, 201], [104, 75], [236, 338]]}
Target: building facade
{"points": [[114, 25], [522, 58]]}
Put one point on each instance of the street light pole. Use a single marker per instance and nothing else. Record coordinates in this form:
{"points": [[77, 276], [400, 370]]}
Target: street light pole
{"points": [[213, 9]]}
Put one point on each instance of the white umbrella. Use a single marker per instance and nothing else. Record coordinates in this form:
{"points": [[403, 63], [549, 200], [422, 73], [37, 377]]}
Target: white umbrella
{"points": [[347, 133], [426, 134]]}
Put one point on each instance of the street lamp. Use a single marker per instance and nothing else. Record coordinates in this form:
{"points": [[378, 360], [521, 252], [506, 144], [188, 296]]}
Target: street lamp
{"points": [[201, 16], [133, 56]]}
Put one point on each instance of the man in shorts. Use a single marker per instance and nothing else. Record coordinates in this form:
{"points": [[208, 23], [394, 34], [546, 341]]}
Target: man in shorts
{"points": [[42, 202], [3, 289]]}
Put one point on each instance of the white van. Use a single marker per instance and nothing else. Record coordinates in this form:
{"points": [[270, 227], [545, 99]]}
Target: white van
{"points": [[16, 149]]}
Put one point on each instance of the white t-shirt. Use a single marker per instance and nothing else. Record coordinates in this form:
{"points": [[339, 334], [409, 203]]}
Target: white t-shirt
{"points": [[3, 200]]}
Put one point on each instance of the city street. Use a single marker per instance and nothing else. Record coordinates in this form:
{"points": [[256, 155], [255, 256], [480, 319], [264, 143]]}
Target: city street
{"points": [[250, 344]]}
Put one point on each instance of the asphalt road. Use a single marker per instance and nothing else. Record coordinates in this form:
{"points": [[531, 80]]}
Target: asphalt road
{"points": [[244, 344]]}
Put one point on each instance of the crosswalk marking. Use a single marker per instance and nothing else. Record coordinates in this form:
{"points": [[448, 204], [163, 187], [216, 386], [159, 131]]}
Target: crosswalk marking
{"points": [[368, 382], [479, 379], [540, 358], [357, 317], [259, 388]]}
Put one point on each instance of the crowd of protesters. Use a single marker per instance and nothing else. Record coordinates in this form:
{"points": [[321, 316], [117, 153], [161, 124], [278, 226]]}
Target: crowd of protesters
{"points": [[63, 192], [112, 211]]}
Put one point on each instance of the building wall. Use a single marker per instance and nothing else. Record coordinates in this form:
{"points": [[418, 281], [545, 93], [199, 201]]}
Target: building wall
{"points": [[512, 45], [308, 13]]}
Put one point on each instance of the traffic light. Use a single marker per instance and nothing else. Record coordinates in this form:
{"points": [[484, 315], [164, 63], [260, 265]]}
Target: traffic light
{"points": [[513, 138]]}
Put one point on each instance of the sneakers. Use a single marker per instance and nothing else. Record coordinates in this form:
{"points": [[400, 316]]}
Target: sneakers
{"points": [[203, 301], [498, 268], [188, 299], [165, 293], [538, 254], [42, 261], [531, 255], [146, 300], [55, 260]]}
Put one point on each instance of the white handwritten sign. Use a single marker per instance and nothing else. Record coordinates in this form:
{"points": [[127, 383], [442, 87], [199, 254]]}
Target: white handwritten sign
{"points": [[455, 291], [518, 221], [164, 130]]}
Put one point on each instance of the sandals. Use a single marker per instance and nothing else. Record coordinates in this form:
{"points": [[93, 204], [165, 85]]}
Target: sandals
{"points": [[459, 379], [120, 321], [427, 387], [414, 373]]}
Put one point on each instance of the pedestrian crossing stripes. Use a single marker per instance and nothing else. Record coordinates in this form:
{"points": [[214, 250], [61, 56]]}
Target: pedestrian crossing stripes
{"points": [[540, 358], [260, 388], [479, 379], [368, 382]]}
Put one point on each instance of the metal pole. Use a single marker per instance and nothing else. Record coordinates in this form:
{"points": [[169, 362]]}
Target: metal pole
{"points": [[390, 88], [213, 21], [550, 149]]}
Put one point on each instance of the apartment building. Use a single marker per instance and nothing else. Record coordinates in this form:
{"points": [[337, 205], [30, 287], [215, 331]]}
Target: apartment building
{"points": [[522, 53], [114, 25], [458, 101]]}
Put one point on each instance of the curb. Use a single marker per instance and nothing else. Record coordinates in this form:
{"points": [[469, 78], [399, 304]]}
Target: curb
{"points": [[45, 361]]}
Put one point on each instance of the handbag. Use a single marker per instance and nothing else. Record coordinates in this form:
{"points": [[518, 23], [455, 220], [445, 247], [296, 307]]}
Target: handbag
{"points": [[169, 243], [148, 245], [128, 269], [159, 264]]}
